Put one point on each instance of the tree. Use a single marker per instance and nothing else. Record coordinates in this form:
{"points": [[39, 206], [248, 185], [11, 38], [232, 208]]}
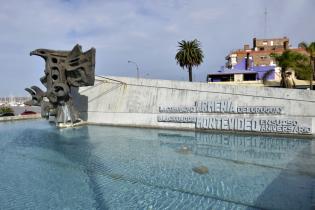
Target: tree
{"points": [[189, 55], [310, 48], [6, 109], [291, 60]]}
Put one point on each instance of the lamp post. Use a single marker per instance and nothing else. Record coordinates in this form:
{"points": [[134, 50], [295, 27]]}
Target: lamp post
{"points": [[136, 66]]}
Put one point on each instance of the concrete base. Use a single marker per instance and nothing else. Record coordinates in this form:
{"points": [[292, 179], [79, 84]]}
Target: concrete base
{"points": [[125, 101]]}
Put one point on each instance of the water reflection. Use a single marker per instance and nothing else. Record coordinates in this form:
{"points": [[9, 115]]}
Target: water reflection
{"points": [[278, 172], [98, 167], [263, 150]]}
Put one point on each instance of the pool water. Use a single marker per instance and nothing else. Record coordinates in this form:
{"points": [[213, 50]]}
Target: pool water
{"points": [[100, 167]]}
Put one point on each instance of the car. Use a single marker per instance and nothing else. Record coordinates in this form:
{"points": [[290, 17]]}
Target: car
{"points": [[28, 112], [6, 114]]}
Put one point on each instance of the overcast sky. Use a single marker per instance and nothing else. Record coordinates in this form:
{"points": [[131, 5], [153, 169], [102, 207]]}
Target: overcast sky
{"points": [[143, 31]]}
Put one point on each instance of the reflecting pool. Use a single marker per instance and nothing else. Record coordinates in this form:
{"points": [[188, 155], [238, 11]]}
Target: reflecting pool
{"points": [[99, 167]]}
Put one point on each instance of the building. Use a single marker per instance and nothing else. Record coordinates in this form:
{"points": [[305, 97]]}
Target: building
{"points": [[245, 70], [13, 101], [249, 65]]}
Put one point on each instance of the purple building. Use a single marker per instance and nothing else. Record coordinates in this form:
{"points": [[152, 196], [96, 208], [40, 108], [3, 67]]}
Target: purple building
{"points": [[245, 70]]}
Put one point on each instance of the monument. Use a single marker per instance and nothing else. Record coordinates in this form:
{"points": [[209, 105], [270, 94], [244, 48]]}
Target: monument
{"points": [[139, 102], [65, 71]]}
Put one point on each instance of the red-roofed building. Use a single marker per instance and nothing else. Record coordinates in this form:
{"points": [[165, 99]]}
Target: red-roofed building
{"points": [[260, 52], [250, 65]]}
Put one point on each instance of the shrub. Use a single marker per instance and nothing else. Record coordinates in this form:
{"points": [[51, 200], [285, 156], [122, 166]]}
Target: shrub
{"points": [[6, 109]]}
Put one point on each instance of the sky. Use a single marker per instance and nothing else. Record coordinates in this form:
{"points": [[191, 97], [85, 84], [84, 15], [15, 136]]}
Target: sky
{"points": [[144, 31]]}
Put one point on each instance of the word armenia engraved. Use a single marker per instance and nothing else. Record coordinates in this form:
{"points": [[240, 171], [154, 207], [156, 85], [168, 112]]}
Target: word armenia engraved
{"points": [[222, 107], [236, 122]]}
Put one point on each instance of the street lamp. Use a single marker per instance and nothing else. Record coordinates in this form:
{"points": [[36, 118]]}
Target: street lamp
{"points": [[136, 66]]}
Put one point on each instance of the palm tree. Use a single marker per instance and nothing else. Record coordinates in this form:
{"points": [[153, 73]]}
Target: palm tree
{"points": [[310, 48], [291, 59], [189, 55]]}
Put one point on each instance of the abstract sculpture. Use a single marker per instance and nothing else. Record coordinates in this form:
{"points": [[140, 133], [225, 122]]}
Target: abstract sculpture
{"points": [[64, 71]]}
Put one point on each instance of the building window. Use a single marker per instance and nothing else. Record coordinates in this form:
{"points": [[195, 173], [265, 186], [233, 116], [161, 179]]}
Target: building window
{"points": [[263, 57], [249, 77]]}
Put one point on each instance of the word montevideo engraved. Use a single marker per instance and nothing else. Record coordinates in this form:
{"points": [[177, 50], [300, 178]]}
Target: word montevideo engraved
{"points": [[258, 121]]}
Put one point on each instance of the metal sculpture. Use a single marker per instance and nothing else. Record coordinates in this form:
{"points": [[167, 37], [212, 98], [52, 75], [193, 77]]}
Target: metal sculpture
{"points": [[64, 72]]}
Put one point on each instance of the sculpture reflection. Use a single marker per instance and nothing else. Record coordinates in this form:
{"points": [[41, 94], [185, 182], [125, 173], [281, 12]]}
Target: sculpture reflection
{"points": [[64, 70]]}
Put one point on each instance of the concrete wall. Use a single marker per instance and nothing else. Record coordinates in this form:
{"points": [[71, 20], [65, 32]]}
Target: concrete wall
{"points": [[20, 117], [135, 102]]}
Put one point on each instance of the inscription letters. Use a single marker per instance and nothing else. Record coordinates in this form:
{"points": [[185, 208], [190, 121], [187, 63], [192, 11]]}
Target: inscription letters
{"points": [[236, 123]]}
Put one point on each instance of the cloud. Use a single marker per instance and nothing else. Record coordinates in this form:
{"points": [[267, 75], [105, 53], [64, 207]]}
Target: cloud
{"points": [[144, 31]]}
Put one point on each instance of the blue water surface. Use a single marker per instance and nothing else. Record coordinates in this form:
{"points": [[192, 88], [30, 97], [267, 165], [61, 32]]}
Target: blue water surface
{"points": [[100, 167]]}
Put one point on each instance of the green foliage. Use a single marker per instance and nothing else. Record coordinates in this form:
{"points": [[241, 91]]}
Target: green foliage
{"points": [[292, 60], [304, 72], [6, 109], [189, 55], [310, 49]]}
